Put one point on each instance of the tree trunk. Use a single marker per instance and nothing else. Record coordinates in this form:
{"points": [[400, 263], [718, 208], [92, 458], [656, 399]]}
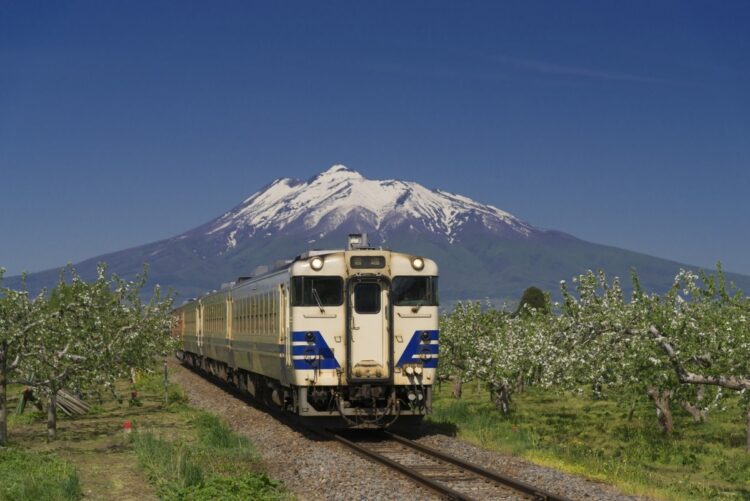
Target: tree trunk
{"points": [[52, 417], [661, 400], [3, 403], [501, 398], [699, 415], [519, 384], [697, 411], [631, 412], [457, 387]]}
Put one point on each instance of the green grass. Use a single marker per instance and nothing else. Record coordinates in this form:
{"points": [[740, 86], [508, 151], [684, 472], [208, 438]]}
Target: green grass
{"points": [[182, 453], [153, 384], [35, 475], [216, 465], [596, 439]]}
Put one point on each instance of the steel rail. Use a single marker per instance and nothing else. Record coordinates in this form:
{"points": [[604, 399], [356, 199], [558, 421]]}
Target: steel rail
{"points": [[415, 475], [518, 485]]}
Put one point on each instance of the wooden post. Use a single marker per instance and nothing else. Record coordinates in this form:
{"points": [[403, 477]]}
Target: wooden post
{"points": [[52, 416], [166, 384], [3, 403]]}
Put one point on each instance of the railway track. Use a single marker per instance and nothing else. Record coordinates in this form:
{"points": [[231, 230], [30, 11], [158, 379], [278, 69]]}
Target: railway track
{"points": [[447, 475]]}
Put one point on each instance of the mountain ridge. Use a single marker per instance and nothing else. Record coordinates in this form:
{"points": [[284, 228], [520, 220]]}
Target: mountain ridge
{"points": [[483, 251], [332, 194]]}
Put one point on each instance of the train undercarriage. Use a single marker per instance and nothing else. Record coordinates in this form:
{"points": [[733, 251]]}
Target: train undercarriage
{"points": [[361, 405]]}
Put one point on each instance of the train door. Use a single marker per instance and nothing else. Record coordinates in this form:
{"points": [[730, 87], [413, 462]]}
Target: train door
{"points": [[285, 330], [369, 347], [199, 327]]}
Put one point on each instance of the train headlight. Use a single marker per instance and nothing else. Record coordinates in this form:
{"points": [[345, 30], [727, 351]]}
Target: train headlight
{"points": [[316, 263], [417, 263]]}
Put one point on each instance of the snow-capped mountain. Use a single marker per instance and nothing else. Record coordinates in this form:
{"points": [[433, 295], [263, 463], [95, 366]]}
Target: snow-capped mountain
{"points": [[482, 251], [325, 202]]}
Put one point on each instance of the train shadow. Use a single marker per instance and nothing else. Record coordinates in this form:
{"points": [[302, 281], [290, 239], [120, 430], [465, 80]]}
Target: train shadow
{"points": [[425, 430]]}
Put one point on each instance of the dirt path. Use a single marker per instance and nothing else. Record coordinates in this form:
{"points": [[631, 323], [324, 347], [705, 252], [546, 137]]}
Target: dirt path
{"points": [[109, 472]]}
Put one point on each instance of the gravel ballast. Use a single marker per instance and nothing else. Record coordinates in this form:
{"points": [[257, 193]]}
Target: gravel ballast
{"points": [[312, 468]]}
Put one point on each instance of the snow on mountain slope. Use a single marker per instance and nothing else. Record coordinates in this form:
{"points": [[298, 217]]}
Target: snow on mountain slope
{"points": [[328, 199]]}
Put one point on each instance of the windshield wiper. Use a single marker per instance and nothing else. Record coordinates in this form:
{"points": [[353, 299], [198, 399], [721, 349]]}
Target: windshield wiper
{"points": [[317, 300], [416, 307]]}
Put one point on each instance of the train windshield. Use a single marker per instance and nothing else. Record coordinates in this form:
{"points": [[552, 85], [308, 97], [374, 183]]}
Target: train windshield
{"points": [[317, 291], [414, 291]]}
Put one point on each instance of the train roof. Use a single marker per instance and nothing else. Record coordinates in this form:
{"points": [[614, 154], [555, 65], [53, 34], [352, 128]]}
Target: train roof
{"points": [[357, 242]]}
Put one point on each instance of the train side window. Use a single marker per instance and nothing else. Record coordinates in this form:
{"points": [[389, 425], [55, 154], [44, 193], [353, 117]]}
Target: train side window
{"points": [[276, 311], [270, 313], [254, 315], [265, 313]]}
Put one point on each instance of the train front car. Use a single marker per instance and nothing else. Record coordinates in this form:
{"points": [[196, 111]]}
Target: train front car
{"points": [[364, 340]]}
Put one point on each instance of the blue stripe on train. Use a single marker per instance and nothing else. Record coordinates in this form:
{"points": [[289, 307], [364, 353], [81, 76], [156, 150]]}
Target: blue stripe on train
{"points": [[317, 354], [416, 350]]}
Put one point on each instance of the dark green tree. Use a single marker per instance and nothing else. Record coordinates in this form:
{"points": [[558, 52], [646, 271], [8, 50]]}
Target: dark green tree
{"points": [[533, 297]]}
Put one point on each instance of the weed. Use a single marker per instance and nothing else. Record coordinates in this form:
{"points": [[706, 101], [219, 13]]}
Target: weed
{"points": [[36, 476], [238, 488], [219, 465], [214, 433]]}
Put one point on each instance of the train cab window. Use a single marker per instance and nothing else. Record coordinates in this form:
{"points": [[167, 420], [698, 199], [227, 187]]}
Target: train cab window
{"points": [[367, 298], [317, 291], [414, 291]]}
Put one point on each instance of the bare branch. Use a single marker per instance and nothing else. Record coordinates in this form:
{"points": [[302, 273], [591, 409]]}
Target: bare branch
{"points": [[685, 376]]}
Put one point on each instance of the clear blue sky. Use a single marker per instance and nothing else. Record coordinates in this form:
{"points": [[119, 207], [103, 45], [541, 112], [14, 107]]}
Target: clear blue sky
{"points": [[624, 123]]}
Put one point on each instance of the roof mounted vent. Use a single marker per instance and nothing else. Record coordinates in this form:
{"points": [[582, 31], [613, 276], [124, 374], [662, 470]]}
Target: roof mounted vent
{"points": [[358, 241]]}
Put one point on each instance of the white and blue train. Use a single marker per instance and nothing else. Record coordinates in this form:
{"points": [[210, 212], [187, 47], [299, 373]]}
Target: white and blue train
{"points": [[345, 334]]}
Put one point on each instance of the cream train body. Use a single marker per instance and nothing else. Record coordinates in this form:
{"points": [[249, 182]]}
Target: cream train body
{"points": [[350, 335]]}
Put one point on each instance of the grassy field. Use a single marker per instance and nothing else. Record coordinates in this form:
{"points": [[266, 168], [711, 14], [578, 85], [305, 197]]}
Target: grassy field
{"points": [[595, 438], [175, 452], [32, 475]]}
